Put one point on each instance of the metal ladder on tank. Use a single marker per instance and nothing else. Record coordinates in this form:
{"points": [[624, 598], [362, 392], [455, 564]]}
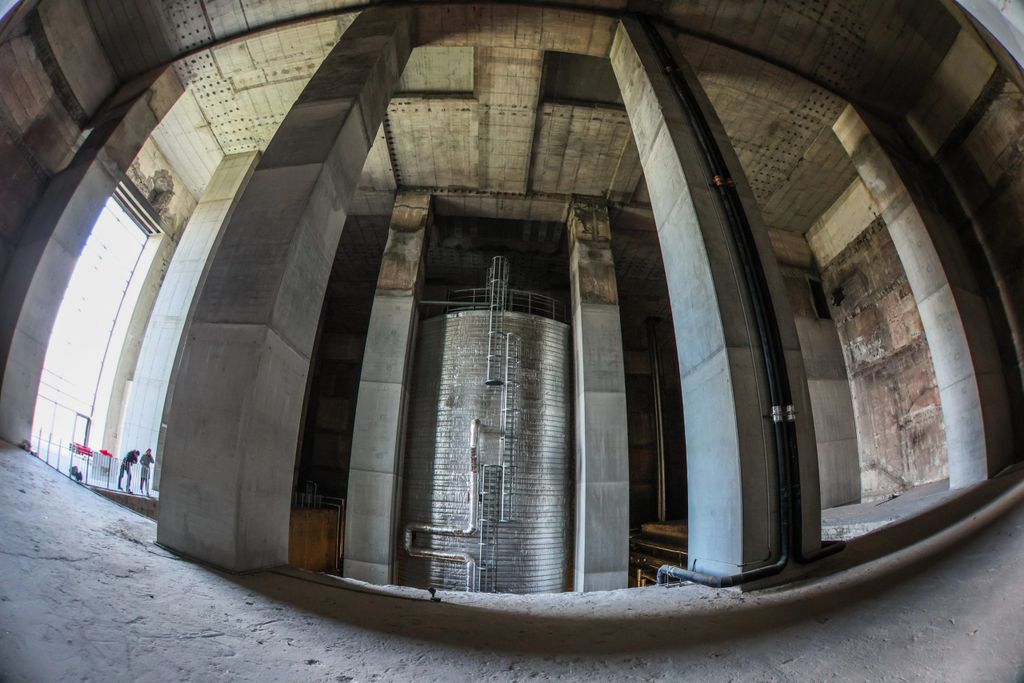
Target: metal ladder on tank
{"points": [[489, 511], [510, 419], [497, 481], [497, 296]]}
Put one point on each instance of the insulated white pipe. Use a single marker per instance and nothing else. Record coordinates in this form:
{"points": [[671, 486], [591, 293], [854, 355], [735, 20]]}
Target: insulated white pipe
{"points": [[458, 532]]}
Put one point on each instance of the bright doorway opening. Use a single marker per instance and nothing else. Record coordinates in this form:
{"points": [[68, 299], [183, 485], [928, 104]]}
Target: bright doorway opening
{"points": [[89, 333]]}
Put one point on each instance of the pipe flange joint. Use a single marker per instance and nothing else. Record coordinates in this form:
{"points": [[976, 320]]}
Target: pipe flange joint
{"points": [[784, 413]]}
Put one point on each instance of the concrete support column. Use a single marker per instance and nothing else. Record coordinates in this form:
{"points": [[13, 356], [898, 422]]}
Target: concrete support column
{"points": [[33, 285], [371, 511], [955, 317], [602, 447], [233, 424], [730, 453], [150, 380], [163, 248]]}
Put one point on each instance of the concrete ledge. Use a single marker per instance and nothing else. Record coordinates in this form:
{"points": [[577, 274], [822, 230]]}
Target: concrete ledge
{"points": [[143, 505]]}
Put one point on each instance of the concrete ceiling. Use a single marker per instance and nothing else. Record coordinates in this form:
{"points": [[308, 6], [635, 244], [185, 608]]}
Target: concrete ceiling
{"points": [[487, 104], [781, 128]]}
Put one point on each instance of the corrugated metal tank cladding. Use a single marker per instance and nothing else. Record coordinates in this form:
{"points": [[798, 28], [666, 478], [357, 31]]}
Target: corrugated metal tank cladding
{"points": [[531, 550]]}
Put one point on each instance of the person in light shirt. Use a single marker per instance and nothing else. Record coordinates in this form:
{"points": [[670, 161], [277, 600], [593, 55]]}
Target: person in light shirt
{"points": [[146, 462]]}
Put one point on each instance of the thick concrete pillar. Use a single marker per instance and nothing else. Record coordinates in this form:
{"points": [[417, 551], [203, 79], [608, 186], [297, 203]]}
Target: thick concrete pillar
{"points": [[371, 511], [150, 381], [955, 317], [729, 443], [233, 424], [33, 285], [602, 447]]}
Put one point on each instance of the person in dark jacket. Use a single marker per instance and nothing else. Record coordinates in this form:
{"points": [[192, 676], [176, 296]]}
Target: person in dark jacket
{"points": [[126, 468]]}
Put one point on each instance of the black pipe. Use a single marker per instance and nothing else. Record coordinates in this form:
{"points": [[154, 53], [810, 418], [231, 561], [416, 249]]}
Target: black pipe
{"points": [[773, 353], [667, 571]]}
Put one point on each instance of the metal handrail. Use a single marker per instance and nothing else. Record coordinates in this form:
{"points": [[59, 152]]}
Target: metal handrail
{"points": [[517, 301], [98, 468]]}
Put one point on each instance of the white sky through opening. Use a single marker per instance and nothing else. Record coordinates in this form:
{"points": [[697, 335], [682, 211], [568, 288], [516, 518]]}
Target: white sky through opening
{"points": [[90, 330]]}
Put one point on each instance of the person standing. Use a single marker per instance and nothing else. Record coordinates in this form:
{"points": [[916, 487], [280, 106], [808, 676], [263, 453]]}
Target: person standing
{"points": [[146, 462], [126, 468]]}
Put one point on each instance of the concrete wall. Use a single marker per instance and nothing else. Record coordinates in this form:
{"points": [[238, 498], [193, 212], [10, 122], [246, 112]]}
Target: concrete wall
{"points": [[163, 188], [926, 232], [898, 414], [898, 405]]}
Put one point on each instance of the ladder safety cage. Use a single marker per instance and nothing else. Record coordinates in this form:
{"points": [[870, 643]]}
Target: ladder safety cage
{"points": [[497, 290]]}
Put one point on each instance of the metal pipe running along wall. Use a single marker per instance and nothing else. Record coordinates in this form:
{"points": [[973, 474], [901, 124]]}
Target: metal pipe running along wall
{"points": [[468, 530], [777, 374]]}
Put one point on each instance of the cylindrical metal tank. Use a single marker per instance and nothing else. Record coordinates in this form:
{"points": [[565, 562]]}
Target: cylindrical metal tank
{"points": [[528, 550]]}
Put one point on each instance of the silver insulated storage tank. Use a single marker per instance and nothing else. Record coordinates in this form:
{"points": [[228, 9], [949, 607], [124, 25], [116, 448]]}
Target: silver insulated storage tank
{"points": [[489, 416]]}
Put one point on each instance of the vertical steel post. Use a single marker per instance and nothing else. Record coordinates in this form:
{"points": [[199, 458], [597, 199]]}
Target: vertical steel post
{"points": [[659, 436]]}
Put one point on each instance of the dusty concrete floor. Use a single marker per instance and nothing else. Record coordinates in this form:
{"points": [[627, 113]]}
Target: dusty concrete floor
{"points": [[85, 595], [849, 521]]}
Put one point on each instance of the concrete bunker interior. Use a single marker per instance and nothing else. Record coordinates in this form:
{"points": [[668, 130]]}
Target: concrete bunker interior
{"points": [[705, 225], [459, 244], [456, 263]]}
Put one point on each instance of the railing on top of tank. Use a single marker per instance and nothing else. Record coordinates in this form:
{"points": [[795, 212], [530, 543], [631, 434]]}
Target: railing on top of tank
{"points": [[517, 301]]}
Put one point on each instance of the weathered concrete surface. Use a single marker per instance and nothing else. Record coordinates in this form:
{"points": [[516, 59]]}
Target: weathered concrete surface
{"points": [[371, 511], [151, 373], [936, 612], [953, 310], [730, 460], [850, 521], [233, 427], [142, 505], [602, 451], [900, 433], [981, 160], [53, 77], [33, 285]]}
